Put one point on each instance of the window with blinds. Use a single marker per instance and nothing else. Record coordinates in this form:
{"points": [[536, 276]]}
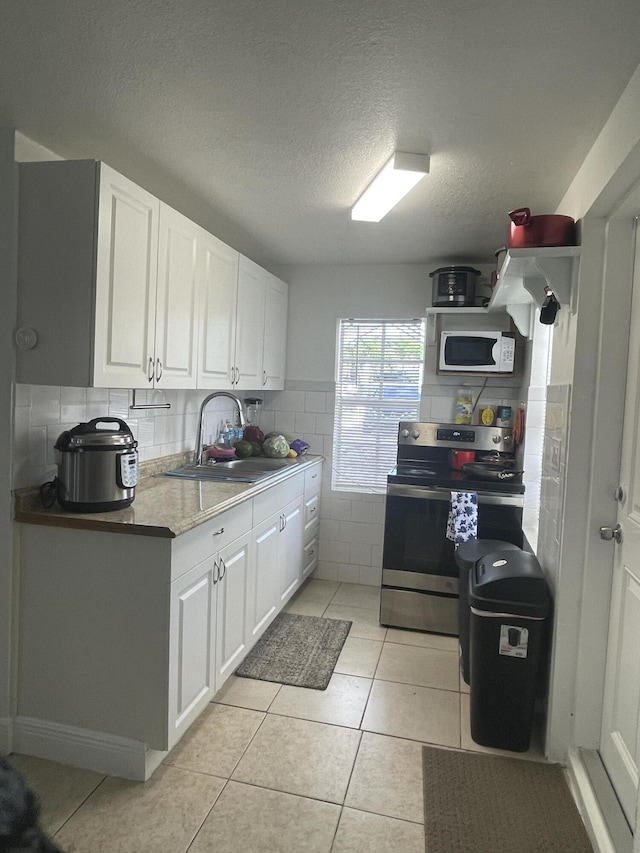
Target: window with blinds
{"points": [[378, 382]]}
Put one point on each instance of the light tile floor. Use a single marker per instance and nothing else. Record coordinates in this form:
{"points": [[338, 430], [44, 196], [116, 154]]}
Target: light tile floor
{"points": [[276, 769]]}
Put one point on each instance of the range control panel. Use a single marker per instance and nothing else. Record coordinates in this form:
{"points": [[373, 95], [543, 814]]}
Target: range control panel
{"points": [[416, 434]]}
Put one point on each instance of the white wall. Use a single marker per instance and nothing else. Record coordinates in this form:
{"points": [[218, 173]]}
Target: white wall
{"points": [[583, 344], [321, 294], [352, 523]]}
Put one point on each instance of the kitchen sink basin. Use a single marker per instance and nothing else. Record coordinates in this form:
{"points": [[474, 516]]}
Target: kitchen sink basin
{"points": [[238, 470]]}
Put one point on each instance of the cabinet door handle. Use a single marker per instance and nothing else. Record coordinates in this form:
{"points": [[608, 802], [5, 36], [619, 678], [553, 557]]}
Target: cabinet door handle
{"points": [[216, 572], [264, 377], [150, 370], [224, 568], [232, 375], [159, 370], [237, 375], [312, 509], [218, 532], [311, 553]]}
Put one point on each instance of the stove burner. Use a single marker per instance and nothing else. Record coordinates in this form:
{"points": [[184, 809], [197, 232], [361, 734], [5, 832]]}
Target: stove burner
{"points": [[419, 472]]}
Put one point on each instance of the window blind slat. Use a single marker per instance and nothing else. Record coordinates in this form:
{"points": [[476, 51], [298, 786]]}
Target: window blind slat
{"points": [[378, 379]]}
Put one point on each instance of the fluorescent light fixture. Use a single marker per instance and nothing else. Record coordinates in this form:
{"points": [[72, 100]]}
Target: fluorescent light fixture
{"points": [[398, 175]]}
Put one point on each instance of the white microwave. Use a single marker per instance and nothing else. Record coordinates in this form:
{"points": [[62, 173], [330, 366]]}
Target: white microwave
{"points": [[476, 352]]}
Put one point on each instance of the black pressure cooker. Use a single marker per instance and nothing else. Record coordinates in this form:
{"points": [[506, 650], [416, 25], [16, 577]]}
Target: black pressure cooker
{"points": [[454, 287], [97, 466]]}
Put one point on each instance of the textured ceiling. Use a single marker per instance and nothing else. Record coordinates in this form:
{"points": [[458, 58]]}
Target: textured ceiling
{"points": [[264, 121]]}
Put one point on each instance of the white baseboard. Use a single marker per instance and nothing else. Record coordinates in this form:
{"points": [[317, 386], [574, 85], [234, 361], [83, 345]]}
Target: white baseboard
{"points": [[104, 753], [6, 735], [588, 805]]}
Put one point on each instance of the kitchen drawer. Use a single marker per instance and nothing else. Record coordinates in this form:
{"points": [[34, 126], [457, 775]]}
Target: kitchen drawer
{"points": [[277, 497], [311, 509], [313, 479], [310, 551], [203, 541]]}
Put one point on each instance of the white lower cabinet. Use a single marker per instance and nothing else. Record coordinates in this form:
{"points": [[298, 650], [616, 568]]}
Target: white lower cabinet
{"points": [[311, 537], [192, 643], [231, 589], [146, 629], [263, 586], [290, 550]]}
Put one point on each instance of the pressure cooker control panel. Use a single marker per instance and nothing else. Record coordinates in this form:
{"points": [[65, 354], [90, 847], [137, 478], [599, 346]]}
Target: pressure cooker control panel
{"points": [[129, 470]]}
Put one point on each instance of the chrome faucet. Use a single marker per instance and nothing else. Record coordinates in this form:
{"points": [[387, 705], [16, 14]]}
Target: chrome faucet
{"points": [[197, 454]]}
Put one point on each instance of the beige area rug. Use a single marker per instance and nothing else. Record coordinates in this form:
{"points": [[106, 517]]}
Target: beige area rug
{"points": [[480, 803], [297, 650]]}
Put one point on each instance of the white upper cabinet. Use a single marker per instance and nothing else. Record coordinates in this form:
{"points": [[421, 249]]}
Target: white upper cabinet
{"points": [[118, 290], [125, 281], [274, 348], [177, 305], [250, 325], [219, 293], [87, 275]]}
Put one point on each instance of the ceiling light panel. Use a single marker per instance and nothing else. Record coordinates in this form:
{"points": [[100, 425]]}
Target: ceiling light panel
{"points": [[396, 178]]}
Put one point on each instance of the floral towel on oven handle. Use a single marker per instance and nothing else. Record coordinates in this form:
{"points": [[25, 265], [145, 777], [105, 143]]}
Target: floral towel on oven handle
{"points": [[462, 523]]}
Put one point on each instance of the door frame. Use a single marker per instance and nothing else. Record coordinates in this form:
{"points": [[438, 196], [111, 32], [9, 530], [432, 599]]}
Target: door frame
{"points": [[605, 285]]}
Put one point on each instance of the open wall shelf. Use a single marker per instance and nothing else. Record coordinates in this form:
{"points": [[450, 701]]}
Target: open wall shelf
{"points": [[523, 277]]}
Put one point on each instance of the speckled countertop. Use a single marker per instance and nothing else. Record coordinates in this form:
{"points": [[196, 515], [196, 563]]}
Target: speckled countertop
{"points": [[163, 506]]}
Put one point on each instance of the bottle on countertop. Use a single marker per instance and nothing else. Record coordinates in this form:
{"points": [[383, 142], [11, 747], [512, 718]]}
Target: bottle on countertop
{"points": [[464, 406], [252, 406]]}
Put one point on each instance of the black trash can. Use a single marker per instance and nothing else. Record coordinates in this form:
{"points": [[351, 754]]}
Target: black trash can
{"points": [[467, 555], [509, 601]]}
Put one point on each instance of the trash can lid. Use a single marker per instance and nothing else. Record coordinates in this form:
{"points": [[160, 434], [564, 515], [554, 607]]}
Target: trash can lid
{"points": [[468, 553], [510, 582]]}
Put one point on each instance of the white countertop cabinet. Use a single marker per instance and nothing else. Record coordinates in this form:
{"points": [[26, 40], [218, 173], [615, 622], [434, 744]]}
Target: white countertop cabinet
{"points": [[124, 639]]}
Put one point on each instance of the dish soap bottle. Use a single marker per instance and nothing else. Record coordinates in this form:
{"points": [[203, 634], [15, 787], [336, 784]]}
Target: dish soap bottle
{"points": [[464, 406]]}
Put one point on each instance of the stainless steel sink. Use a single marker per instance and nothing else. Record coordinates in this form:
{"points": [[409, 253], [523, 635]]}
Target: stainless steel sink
{"points": [[238, 470]]}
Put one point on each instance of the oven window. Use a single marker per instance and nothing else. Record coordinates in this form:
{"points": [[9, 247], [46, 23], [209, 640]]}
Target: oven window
{"points": [[379, 366], [415, 533]]}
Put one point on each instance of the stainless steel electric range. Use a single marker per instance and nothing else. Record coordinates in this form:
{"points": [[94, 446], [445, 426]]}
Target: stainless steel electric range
{"points": [[419, 573]]}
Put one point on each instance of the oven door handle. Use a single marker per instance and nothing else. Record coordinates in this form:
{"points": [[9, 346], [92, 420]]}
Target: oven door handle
{"points": [[436, 493]]}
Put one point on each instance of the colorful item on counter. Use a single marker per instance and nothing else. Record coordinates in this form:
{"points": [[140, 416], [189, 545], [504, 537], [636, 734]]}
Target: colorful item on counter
{"points": [[464, 407], [275, 446], [504, 416], [462, 523], [488, 415], [300, 446]]}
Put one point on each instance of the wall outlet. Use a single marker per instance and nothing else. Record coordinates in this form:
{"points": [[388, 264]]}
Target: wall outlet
{"points": [[555, 453]]}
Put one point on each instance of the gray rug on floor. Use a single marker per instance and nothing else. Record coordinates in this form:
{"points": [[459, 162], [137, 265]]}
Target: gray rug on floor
{"points": [[494, 804], [297, 650]]}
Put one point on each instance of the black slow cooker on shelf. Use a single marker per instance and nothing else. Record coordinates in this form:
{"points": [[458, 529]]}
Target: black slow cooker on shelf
{"points": [[454, 287], [97, 466]]}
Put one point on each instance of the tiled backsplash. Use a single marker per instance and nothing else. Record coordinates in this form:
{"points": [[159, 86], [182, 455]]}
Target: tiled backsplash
{"points": [[351, 522], [553, 480], [42, 412]]}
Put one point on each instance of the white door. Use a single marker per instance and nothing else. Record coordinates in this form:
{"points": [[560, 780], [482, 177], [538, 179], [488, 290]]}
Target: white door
{"points": [[231, 638], [275, 334], [620, 736], [264, 586], [192, 643], [126, 274], [250, 325], [219, 274], [177, 301], [290, 550]]}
